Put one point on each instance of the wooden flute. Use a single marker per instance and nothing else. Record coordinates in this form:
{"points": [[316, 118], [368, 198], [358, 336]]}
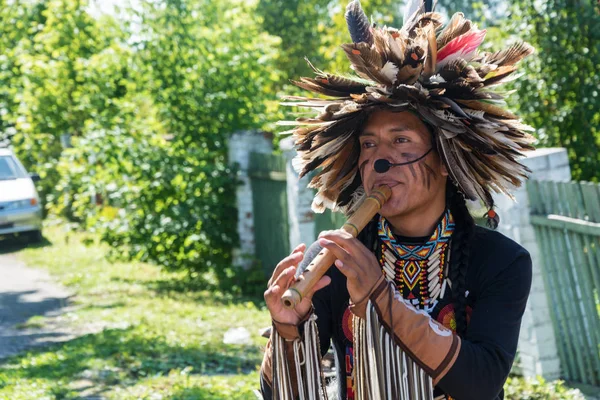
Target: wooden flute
{"points": [[312, 268]]}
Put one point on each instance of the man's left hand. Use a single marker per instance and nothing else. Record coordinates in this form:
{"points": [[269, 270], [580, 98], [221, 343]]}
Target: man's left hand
{"points": [[354, 260]]}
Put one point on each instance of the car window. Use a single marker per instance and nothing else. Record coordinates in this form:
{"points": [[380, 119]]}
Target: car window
{"points": [[9, 169]]}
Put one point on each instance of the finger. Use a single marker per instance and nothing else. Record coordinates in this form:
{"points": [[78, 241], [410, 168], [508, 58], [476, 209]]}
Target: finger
{"points": [[337, 250], [324, 233], [352, 245], [350, 273], [300, 248], [284, 279], [292, 259], [272, 294]]}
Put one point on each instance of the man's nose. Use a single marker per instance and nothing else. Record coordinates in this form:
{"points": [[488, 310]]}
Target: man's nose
{"points": [[383, 154]]}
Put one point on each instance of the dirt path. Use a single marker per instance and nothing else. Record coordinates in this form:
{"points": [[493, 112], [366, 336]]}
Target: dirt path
{"points": [[24, 293]]}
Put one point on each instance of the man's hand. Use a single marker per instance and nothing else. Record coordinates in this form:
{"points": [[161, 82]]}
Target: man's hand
{"points": [[353, 260], [281, 280]]}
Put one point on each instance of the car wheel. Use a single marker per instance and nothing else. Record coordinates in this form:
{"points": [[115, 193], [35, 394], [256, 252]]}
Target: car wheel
{"points": [[34, 236]]}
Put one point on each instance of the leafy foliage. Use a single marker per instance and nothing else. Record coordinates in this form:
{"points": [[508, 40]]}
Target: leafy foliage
{"points": [[518, 388], [149, 111], [474, 10], [209, 69], [65, 69], [158, 203], [161, 171], [560, 94]]}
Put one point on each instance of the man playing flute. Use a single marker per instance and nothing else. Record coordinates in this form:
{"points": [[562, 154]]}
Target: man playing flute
{"points": [[423, 304]]}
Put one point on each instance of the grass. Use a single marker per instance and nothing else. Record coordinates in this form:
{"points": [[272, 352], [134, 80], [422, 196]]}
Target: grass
{"points": [[32, 323], [158, 339]]}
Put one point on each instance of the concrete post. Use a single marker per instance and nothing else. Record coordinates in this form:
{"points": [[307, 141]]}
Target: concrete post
{"points": [[301, 217], [241, 144], [537, 343]]}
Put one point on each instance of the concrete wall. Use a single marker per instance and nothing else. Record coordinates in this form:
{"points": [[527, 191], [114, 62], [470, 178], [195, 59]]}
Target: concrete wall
{"points": [[537, 343]]}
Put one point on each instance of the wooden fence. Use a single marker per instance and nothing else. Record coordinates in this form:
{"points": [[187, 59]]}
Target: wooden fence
{"points": [[566, 219], [269, 198]]}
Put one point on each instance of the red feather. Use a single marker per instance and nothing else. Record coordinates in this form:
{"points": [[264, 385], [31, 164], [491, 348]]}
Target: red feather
{"points": [[465, 44]]}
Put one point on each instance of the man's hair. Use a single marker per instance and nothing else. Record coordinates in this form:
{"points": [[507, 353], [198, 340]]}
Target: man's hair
{"points": [[459, 257]]}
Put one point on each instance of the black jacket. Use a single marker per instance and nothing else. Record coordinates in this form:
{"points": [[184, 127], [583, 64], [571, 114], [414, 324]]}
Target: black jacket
{"points": [[498, 283]]}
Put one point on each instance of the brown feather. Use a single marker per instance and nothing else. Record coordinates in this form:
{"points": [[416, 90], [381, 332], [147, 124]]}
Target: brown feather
{"points": [[397, 46], [431, 61], [457, 26], [511, 55], [313, 86], [454, 168], [380, 37], [453, 70], [367, 62], [488, 108], [430, 18]]}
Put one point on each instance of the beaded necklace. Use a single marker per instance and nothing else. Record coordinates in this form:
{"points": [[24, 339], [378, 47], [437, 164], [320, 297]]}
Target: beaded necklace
{"points": [[419, 271]]}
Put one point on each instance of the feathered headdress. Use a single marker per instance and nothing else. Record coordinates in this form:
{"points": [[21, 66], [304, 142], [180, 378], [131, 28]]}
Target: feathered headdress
{"points": [[437, 73]]}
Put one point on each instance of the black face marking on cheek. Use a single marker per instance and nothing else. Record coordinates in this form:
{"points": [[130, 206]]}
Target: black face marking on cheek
{"points": [[410, 156], [425, 171], [430, 174], [411, 168], [424, 174]]}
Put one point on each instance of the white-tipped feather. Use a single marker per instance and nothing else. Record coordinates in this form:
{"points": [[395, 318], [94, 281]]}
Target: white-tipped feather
{"points": [[390, 70], [298, 163], [358, 197]]}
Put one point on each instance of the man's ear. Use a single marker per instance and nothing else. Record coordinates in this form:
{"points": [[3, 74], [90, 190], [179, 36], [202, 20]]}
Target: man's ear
{"points": [[443, 169]]}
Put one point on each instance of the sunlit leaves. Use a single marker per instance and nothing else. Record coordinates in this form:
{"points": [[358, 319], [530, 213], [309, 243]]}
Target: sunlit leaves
{"points": [[559, 94]]}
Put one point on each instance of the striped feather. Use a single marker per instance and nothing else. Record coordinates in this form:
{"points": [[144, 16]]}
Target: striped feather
{"points": [[358, 23], [457, 26], [511, 55]]}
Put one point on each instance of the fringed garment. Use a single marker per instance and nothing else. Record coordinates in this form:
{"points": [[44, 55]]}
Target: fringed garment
{"points": [[376, 367]]}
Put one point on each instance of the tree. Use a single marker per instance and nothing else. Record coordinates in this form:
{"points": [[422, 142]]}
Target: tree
{"points": [[167, 191], [18, 22], [68, 70], [560, 93], [209, 68]]}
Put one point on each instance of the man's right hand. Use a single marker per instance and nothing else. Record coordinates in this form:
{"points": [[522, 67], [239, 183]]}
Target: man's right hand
{"points": [[281, 280]]}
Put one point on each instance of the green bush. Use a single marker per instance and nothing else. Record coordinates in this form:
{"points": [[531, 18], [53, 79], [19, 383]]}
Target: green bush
{"points": [[157, 203], [60, 70], [519, 388]]}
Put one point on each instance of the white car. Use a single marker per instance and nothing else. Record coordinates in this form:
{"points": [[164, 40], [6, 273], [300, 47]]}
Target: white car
{"points": [[20, 209]]}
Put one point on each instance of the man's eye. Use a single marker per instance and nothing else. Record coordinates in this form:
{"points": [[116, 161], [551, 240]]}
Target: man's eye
{"points": [[401, 140], [367, 145]]}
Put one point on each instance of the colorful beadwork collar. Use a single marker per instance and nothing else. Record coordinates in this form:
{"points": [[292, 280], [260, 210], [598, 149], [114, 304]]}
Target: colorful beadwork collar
{"points": [[419, 271], [440, 236]]}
